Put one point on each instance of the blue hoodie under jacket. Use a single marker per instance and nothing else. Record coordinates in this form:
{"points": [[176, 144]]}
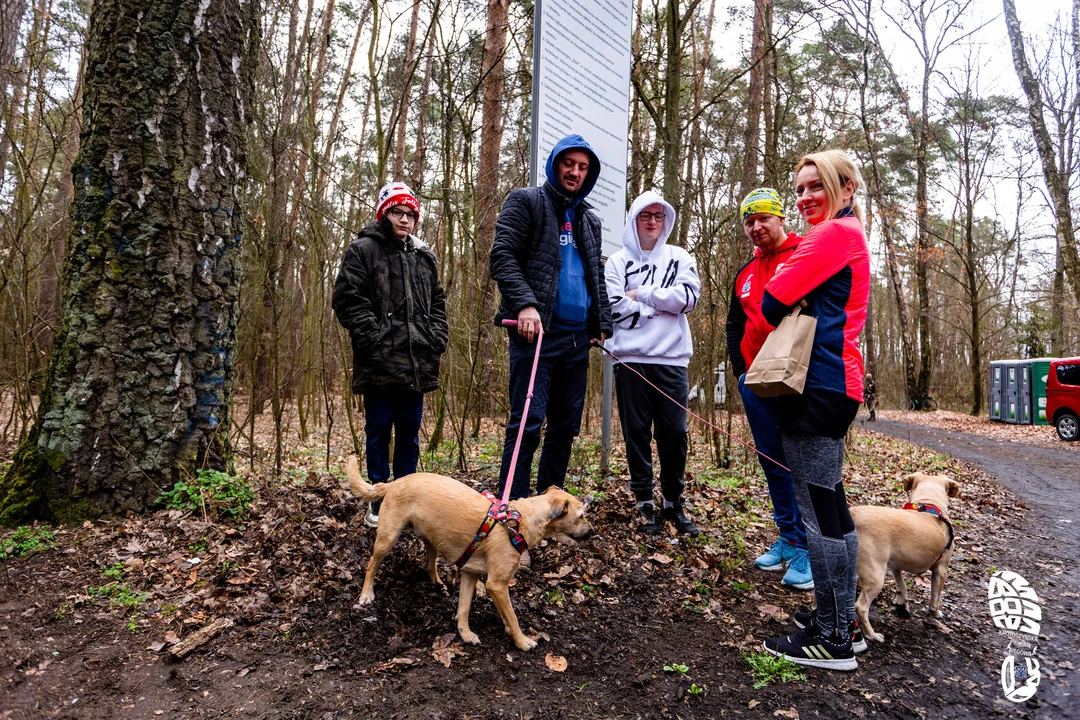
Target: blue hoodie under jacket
{"points": [[527, 257], [572, 299]]}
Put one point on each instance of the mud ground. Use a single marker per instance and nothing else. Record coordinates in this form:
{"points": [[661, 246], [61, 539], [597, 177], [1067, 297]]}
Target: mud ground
{"points": [[617, 609]]}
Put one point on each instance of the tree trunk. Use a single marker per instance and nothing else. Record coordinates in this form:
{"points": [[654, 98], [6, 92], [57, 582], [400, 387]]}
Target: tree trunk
{"points": [[923, 239], [1057, 304], [140, 378], [752, 132], [419, 163], [406, 91], [48, 305], [1057, 181], [672, 130], [11, 15]]}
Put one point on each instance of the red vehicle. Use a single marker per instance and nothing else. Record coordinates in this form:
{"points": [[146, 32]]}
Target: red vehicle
{"points": [[1063, 397]]}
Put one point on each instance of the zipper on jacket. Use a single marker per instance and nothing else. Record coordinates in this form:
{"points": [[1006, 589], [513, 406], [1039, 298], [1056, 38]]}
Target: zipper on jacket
{"points": [[407, 277]]}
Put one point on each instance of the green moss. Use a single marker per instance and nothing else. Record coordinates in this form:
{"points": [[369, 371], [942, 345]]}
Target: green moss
{"points": [[71, 511], [27, 492], [24, 490]]}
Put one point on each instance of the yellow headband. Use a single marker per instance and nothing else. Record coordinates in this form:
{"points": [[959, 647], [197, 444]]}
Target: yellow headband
{"points": [[762, 200]]}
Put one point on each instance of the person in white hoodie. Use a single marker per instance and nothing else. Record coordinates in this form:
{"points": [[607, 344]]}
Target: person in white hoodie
{"points": [[651, 287]]}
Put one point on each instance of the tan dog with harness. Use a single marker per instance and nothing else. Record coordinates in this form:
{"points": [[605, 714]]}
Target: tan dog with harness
{"points": [[446, 514], [915, 539]]}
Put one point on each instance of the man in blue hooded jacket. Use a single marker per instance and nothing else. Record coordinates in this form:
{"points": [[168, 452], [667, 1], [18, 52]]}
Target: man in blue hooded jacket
{"points": [[546, 260]]}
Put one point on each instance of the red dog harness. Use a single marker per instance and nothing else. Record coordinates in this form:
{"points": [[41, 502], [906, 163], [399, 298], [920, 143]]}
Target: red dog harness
{"points": [[499, 512], [935, 511]]}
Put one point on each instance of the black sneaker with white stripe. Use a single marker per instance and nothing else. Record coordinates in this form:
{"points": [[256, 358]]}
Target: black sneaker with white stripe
{"points": [[803, 618], [810, 647]]}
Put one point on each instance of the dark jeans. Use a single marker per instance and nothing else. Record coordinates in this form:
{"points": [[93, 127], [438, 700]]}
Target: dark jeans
{"points": [[643, 410], [559, 394], [400, 410], [761, 414]]}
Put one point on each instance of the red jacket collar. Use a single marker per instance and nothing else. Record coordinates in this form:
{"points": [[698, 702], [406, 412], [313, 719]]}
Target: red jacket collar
{"points": [[790, 243]]}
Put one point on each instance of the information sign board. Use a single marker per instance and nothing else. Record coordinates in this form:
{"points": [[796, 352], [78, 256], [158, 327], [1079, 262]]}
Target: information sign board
{"points": [[581, 84]]}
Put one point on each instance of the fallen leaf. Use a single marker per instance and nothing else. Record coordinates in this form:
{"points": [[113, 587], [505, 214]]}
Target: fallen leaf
{"points": [[791, 713], [155, 646], [660, 558], [171, 638], [445, 649], [753, 704], [555, 662], [772, 611]]}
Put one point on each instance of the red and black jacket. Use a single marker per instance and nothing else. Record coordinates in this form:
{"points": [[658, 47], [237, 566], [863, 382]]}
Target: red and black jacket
{"points": [[831, 271], [747, 328]]}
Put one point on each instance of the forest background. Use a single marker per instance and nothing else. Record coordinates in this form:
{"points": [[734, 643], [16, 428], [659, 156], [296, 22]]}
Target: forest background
{"points": [[972, 181]]}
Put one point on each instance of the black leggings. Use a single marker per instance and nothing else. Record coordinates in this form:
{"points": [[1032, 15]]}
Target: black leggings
{"points": [[816, 463]]}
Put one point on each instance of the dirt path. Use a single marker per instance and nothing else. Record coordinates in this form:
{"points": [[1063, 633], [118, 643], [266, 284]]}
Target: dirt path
{"points": [[617, 610], [1047, 481]]}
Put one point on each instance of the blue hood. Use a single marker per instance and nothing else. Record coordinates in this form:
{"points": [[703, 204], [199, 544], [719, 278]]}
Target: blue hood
{"points": [[574, 142]]}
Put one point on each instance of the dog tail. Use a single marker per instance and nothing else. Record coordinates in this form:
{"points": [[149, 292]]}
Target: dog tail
{"points": [[363, 490]]}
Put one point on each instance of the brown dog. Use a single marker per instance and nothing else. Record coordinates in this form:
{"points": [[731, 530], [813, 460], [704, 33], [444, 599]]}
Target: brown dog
{"points": [[904, 541], [446, 514]]}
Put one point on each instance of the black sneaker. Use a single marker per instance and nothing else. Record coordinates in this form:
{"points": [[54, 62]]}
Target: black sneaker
{"points": [[647, 519], [809, 647], [683, 524], [803, 618]]}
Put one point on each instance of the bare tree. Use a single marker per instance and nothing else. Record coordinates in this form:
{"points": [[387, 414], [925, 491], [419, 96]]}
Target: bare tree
{"points": [[1057, 177]]}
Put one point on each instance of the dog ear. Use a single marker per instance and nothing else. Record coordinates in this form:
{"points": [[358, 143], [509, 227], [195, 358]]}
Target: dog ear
{"points": [[954, 488], [909, 481], [559, 508]]}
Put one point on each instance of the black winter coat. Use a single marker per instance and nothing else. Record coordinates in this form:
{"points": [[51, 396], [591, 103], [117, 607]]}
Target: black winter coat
{"points": [[388, 296], [526, 258]]}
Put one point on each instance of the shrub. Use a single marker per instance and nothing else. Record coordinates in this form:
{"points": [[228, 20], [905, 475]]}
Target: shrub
{"points": [[213, 491], [26, 540], [768, 668]]}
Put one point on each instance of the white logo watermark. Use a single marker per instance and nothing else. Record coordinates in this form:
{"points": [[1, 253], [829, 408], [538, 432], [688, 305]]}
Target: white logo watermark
{"points": [[1016, 613]]}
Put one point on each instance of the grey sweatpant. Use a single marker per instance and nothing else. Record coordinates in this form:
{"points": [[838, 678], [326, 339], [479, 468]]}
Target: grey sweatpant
{"points": [[816, 463]]}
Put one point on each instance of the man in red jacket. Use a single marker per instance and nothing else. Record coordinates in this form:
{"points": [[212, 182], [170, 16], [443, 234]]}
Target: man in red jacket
{"points": [[763, 222]]}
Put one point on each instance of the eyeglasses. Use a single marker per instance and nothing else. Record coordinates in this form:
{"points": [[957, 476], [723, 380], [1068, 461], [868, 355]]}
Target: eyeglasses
{"points": [[647, 216], [402, 214]]}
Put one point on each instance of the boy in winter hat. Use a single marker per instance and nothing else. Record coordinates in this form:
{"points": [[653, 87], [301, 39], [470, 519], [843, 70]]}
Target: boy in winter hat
{"points": [[652, 286], [388, 296]]}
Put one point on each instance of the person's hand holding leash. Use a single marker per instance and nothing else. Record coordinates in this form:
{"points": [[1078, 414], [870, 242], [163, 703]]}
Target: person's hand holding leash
{"points": [[528, 324]]}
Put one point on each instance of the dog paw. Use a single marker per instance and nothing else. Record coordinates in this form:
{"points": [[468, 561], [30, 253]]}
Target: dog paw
{"points": [[901, 611], [525, 644], [365, 601], [876, 637], [470, 638]]}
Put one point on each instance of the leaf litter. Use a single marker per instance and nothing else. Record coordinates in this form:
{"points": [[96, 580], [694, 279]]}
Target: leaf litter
{"points": [[615, 609]]}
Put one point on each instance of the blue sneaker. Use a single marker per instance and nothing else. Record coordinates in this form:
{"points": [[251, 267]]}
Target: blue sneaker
{"points": [[773, 561], [798, 572]]}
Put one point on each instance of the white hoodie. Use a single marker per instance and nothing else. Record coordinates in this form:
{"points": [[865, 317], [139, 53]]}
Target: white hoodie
{"points": [[653, 328]]}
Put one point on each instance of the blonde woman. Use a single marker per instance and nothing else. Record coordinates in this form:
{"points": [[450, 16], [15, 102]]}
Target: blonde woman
{"points": [[829, 274]]}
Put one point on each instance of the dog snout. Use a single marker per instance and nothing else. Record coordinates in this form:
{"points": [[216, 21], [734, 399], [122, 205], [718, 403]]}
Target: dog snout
{"points": [[584, 533]]}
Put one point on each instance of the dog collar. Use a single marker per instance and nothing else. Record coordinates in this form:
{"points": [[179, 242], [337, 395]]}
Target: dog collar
{"points": [[936, 512], [498, 512]]}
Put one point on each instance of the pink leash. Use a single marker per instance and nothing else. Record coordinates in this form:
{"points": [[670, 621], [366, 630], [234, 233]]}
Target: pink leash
{"points": [[504, 502], [688, 410]]}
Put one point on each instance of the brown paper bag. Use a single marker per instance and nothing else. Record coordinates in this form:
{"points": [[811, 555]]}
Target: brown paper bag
{"points": [[781, 364]]}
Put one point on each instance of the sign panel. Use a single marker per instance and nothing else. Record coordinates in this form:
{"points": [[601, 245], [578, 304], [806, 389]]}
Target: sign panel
{"points": [[581, 84]]}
